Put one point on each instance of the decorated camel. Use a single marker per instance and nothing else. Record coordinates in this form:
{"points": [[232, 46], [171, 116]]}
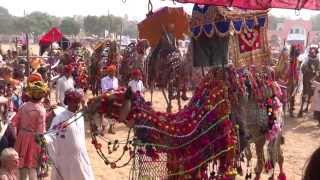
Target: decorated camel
{"points": [[165, 65], [200, 140], [180, 145], [287, 74], [134, 57], [310, 70], [105, 53]]}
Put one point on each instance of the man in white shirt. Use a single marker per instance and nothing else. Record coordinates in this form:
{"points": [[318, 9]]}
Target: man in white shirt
{"points": [[136, 84], [68, 149], [109, 84], [64, 83]]}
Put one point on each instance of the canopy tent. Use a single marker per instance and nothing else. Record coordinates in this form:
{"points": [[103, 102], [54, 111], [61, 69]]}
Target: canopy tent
{"points": [[218, 33], [53, 35], [260, 4]]}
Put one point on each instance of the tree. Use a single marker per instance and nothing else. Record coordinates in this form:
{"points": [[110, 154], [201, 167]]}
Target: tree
{"points": [[41, 22], [91, 25], [274, 21], [6, 21], [69, 26], [4, 12], [130, 28], [316, 22]]}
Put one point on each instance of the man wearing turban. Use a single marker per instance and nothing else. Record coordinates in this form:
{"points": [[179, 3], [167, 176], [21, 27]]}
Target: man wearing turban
{"points": [[136, 84], [68, 149], [64, 83], [108, 84]]}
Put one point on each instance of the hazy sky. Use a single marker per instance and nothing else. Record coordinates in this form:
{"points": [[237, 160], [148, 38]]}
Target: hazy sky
{"points": [[136, 9]]}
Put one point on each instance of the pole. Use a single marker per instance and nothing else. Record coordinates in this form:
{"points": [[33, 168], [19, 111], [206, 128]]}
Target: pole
{"points": [[16, 44], [121, 33], [28, 62], [307, 40]]}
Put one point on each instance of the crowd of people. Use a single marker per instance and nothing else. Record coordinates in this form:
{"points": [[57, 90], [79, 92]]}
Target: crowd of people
{"points": [[28, 110]]}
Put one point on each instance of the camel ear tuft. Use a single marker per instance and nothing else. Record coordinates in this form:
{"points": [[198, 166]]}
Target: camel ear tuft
{"points": [[129, 93]]}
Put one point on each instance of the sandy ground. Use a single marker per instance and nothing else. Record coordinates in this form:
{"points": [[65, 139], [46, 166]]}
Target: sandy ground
{"points": [[301, 139]]}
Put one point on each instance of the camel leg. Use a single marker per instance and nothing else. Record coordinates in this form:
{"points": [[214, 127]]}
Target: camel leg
{"points": [[301, 106], [280, 160], [151, 94], [248, 155], [184, 95], [179, 100], [308, 103], [168, 101], [291, 106], [260, 158]]}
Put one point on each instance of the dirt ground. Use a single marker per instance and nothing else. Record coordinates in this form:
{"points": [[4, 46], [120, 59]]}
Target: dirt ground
{"points": [[301, 139]]}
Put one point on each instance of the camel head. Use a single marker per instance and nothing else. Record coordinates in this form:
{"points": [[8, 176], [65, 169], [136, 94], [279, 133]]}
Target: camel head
{"points": [[117, 105]]}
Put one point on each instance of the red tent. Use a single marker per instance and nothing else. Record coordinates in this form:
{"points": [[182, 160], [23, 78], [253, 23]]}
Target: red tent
{"points": [[260, 4], [53, 35]]}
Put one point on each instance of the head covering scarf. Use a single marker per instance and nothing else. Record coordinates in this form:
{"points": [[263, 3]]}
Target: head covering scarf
{"points": [[37, 89], [111, 69], [73, 96]]}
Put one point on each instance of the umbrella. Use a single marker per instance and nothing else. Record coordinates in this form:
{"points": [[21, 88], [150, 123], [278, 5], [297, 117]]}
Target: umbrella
{"points": [[153, 27], [260, 4]]}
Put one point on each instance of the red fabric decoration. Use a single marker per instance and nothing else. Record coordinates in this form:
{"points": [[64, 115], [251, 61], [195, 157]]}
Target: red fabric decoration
{"points": [[53, 35], [282, 176], [260, 4], [249, 41]]}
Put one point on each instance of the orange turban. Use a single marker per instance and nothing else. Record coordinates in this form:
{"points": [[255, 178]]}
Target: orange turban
{"points": [[111, 69]]}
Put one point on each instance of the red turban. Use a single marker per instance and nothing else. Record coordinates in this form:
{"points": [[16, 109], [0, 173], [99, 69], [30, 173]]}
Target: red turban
{"points": [[73, 96], [136, 73], [68, 68]]}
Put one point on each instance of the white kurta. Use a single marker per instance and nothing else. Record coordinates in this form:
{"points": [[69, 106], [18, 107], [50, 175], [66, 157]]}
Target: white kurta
{"points": [[136, 86], [315, 101], [108, 84], [69, 154], [63, 84]]}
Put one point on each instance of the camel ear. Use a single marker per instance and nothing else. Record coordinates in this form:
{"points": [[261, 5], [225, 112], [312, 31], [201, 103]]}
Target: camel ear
{"points": [[129, 94]]}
